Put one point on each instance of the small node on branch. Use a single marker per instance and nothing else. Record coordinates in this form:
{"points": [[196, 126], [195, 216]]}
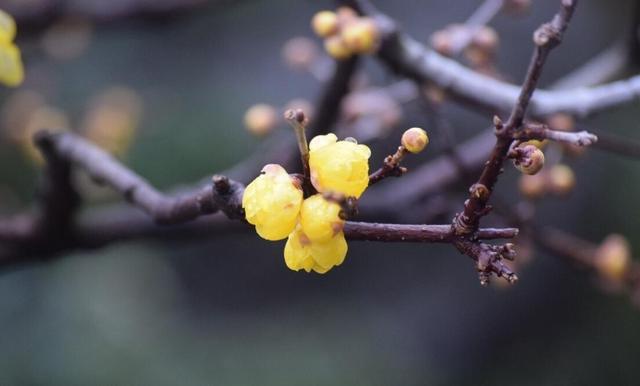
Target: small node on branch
{"points": [[479, 191], [528, 159], [221, 184], [489, 259], [546, 35]]}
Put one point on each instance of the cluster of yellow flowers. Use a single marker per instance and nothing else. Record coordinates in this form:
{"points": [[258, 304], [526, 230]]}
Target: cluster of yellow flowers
{"points": [[345, 32], [11, 70], [275, 204]]}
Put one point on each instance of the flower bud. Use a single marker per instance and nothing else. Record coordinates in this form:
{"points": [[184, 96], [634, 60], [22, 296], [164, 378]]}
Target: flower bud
{"points": [[612, 257], [261, 119], [337, 48], [361, 36], [442, 42], [537, 143], [561, 179], [415, 140], [300, 104], [532, 186], [325, 23], [346, 15], [482, 48], [486, 38], [299, 53], [529, 159]]}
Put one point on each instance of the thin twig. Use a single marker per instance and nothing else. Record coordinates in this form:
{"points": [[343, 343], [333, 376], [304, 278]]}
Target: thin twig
{"points": [[541, 132]]}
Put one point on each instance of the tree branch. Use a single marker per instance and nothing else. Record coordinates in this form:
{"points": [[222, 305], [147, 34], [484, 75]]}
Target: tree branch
{"points": [[223, 195], [409, 58], [547, 37]]}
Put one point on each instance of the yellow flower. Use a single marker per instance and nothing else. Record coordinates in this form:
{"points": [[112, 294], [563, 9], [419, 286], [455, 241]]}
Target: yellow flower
{"points": [[272, 203], [11, 69], [7, 27], [302, 253], [320, 219], [339, 166]]}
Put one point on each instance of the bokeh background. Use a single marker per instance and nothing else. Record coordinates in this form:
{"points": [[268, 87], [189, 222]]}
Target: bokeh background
{"points": [[223, 309]]}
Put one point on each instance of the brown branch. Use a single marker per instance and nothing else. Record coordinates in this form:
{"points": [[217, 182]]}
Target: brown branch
{"points": [[103, 168], [224, 195], [541, 132], [442, 172], [408, 57], [390, 167], [416, 233], [547, 37]]}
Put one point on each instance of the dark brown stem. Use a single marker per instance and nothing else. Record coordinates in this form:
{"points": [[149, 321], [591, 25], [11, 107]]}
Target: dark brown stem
{"points": [[298, 122], [416, 233], [547, 37], [103, 168], [67, 150], [390, 167]]}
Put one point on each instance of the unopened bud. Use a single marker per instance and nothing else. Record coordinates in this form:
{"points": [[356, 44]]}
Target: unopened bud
{"points": [[481, 51], [346, 15], [415, 140], [300, 104], [532, 186], [613, 256], [261, 119], [325, 23], [561, 179], [361, 36], [337, 48], [300, 53], [537, 143], [529, 159], [442, 42], [486, 39]]}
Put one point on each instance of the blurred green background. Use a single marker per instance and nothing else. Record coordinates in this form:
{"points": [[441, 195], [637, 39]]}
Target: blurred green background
{"points": [[225, 310]]}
